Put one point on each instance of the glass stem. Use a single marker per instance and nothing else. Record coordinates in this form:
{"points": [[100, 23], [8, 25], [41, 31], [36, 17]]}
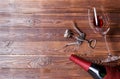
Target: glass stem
{"points": [[107, 46]]}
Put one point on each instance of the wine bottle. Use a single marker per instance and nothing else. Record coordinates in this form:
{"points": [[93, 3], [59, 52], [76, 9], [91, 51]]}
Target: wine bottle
{"points": [[97, 71]]}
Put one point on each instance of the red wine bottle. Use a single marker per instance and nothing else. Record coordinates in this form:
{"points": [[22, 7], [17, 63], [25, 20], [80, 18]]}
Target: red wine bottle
{"points": [[97, 71]]}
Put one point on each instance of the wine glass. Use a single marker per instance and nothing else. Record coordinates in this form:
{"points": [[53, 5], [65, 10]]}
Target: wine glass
{"points": [[99, 22]]}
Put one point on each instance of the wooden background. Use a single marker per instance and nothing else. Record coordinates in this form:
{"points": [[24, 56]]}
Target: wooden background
{"points": [[30, 31]]}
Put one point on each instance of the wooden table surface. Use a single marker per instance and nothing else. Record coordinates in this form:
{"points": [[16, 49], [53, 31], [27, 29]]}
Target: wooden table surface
{"points": [[31, 31]]}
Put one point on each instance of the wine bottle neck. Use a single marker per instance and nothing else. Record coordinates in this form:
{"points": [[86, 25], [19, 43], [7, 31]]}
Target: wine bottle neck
{"points": [[84, 64]]}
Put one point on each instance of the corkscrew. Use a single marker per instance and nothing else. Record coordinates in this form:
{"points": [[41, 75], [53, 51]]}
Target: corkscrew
{"points": [[80, 38]]}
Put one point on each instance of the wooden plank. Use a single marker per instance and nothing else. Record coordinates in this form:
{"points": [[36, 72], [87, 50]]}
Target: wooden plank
{"points": [[43, 73], [30, 61], [18, 20], [34, 61], [53, 48], [44, 61], [50, 34], [65, 3], [38, 61]]}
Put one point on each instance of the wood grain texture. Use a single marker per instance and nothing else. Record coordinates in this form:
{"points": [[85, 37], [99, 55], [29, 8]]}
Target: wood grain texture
{"points": [[38, 73], [32, 30]]}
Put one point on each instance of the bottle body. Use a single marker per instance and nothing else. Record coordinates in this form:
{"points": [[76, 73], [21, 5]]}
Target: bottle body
{"points": [[97, 71]]}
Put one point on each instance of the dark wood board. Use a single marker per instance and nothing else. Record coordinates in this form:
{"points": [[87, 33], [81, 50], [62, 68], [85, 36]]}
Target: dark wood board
{"points": [[31, 31]]}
